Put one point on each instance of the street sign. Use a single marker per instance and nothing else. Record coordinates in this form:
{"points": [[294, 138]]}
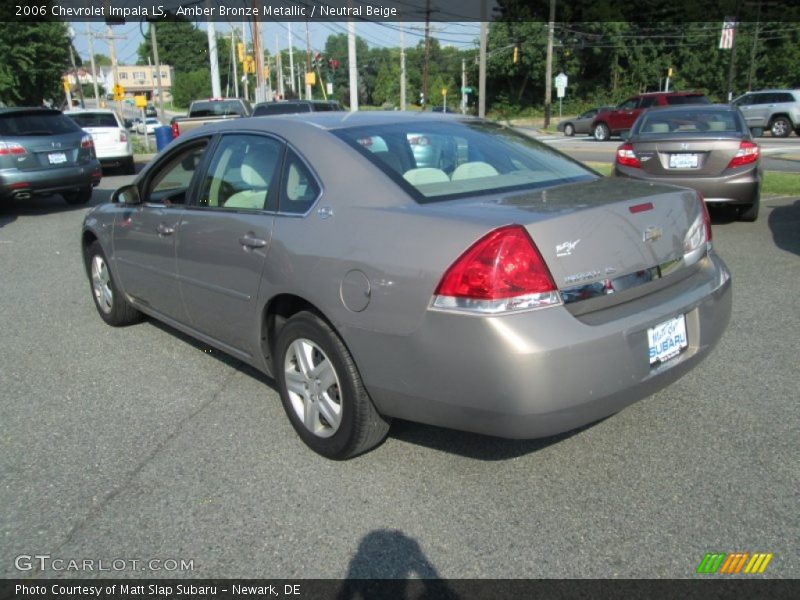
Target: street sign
{"points": [[561, 92], [466, 90], [561, 80], [444, 91], [311, 78], [140, 101]]}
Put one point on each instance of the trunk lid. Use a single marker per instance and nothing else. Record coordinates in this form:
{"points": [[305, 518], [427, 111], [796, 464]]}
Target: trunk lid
{"points": [[701, 157]]}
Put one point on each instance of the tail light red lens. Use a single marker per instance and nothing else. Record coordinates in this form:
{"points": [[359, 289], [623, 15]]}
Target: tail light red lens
{"points": [[176, 131], [123, 137], [627, 157], [748, 153], [87, 142], [11, 149], [502, 271]]}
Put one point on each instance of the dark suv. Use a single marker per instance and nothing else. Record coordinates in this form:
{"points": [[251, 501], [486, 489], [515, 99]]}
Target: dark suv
{"points": [[43, 152], [776, 110], [287, 107], [616, 120]]}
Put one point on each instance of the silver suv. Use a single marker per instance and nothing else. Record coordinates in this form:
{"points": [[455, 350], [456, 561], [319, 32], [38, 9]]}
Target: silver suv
{"points": [[776, 110]]}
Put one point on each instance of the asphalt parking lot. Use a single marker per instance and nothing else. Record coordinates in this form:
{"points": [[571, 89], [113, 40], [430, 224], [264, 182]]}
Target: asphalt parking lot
{"points": [[140, 443]]}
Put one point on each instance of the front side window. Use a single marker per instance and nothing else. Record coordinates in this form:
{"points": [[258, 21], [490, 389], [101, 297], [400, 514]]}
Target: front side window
{"points": [[241, 173], [170, 184], [648, 102], [446, 160], [629, 104]]}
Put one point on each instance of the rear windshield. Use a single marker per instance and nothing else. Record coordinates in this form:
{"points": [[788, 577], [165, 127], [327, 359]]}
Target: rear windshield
{"points": [[94, 119], [437, 161], [690, 121], [36, 123], [689, 99], [281, 108], [220, 108]]}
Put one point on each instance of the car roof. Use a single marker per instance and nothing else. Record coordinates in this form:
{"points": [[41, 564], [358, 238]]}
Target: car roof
{"points": [[328, 121], [685, 107], [28, 109], [670, 94]]}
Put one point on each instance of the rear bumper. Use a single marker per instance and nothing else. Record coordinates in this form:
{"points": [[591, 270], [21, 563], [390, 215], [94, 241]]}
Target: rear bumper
{"points": [[740, 187], [24, 184], [543, 372]]}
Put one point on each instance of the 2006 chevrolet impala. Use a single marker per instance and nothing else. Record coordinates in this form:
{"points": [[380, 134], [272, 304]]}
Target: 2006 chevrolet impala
{"points": [[439, 269]]}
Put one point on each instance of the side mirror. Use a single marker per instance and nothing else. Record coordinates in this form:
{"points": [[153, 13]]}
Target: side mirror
{"points": [[127, 194]]}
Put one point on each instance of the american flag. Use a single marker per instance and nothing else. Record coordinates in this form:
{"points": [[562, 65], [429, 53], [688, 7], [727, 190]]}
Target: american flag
{"points": [[728, 31]]}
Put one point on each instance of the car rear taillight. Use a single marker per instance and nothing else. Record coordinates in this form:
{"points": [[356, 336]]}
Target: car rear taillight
{"points": [[11, 149], [123, 137], [748, 153], [627, 157], [87, 142], [176, 131], [501, 272], [698, 238]]}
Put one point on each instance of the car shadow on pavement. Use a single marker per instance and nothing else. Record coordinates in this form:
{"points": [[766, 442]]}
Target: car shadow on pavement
{"points": [[470, 445], [474, 445], [784, 223]]}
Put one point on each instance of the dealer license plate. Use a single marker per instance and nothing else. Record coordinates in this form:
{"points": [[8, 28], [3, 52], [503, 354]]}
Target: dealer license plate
{"points": [[683, 161], [666, 340], [56, 158]]}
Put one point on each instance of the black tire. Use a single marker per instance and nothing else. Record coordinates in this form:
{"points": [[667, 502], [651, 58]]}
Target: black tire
{"points": [[601, 132], [569, 129], [360, 427], [82, 196], [749, 212], [109, 302], [129, 167], [780, 127]]}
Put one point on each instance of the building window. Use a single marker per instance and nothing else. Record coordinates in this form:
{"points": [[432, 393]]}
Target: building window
{"points": [[123, 75], [138, 74]]}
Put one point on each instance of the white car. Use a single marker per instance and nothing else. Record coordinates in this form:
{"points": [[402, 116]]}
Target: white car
{"points": [[112, 141], [151, 123]]}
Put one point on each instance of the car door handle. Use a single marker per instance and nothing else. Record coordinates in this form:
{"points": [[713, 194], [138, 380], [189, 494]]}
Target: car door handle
{"points": [[164, 230], [250, 241]]}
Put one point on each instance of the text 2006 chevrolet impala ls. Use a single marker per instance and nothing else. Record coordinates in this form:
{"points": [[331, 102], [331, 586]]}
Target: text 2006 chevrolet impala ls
{"points": [[439, 269]]}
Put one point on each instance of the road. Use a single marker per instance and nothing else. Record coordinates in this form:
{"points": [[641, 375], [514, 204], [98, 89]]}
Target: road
{"points": [[140, 443], [777, 154]]}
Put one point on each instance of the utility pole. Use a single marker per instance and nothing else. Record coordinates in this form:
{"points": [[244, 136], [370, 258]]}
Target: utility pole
{"points": [[246, 79], [353, 66], [427, 54], [548, 85], [308, 62], [75, 68], [291, 57], [90, 35], [260, 95], [732, 67], [753, 51], [216, 88], [279, 69], [154, 43], [402, 67], [463, 86], [233, 61], [482, 63]]}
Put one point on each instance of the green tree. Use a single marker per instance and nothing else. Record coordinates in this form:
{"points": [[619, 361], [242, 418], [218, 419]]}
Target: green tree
{"points": [[180, 45], [191, 86], [101, 60], [35, 57]]}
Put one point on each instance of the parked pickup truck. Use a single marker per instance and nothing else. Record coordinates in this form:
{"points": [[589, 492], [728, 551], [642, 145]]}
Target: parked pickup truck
{"points": [[210, 111]]}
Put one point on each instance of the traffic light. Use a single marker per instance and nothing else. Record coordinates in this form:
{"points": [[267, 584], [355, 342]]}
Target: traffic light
{"points": [[516, 54], [240, 51]]}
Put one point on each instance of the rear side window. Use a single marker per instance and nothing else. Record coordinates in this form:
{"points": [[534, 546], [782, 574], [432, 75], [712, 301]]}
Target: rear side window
{"points": [[648, 102], [36, 124], [300, 189], [688, 99], [784, 97], [280, 108], [94, 120], [221, 108]]}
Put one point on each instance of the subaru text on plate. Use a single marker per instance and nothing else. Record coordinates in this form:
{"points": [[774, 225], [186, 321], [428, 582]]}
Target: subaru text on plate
{"points": [[502, 288]]}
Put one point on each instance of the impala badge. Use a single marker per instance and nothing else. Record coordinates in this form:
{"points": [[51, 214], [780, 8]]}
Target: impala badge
{"points": [[566, 248], [652, 233]]}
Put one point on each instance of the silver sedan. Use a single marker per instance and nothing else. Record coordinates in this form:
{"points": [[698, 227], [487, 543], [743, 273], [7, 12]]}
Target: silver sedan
{"points": [[509, 290]]}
